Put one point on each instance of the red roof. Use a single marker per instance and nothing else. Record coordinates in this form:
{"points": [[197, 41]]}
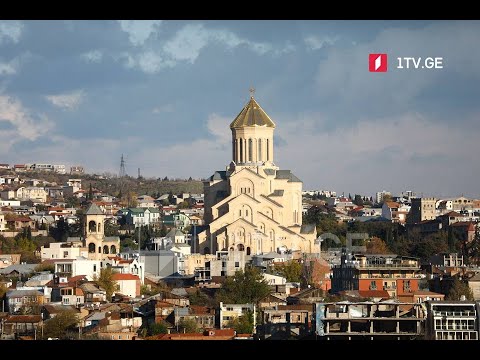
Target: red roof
{"points": [[392, 204], [374, 293], [22, 218], [118, 277], [23, 319]]}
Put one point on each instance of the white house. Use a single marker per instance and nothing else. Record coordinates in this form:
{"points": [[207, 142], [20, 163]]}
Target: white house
{"points": [[128, 284], [32, 193], [63, 250], [78, 266], [132, 266], [145, 201], [274, 279]]}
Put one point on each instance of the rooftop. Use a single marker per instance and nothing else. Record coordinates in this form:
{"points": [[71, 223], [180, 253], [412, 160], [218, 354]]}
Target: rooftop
{"points": [[252, 114]]}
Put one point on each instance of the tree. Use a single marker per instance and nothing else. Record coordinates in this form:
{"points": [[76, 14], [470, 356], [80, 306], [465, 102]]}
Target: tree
{"points": [[61, 325], [292, 270], [247, 286], [458, 289], [358, 200], [90, 193], [243, 324], [377, 246], [157, 328], [183, 205], [45, 267], [188, 325], [105, 281]]}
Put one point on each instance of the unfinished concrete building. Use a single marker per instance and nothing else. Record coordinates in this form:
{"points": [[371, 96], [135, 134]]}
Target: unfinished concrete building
{"points": [[452, 320], [370, 320]]}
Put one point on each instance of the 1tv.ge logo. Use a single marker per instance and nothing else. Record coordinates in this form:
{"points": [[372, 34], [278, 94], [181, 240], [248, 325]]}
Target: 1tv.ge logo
{"points": [[379, 62]]}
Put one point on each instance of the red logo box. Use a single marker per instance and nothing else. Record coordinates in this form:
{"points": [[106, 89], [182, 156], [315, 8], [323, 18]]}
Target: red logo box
{"points": [[377, 62]]}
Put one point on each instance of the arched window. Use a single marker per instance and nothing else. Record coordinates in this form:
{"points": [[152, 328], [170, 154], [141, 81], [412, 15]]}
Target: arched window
{"points": [[250, 150], [92, 226], [99, 249], [91, 248], [268, 150], [259, 156], [241, 151], [240, 247], [105, 249], [99, 227], [206, 250], [113, 249], [249, 251]]}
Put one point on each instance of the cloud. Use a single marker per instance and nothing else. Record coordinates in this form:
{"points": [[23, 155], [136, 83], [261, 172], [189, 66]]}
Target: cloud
{"points": [[409, 151], [139, 30], [68, 101], [344, 75], [168, 108], [10, 31], [93, 56], [186, 45], [20, 123], [314, 42], [9, 68], [219, 126]]}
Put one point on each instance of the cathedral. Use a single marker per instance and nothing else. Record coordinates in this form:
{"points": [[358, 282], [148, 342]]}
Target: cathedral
{"points": [[253, 205]]}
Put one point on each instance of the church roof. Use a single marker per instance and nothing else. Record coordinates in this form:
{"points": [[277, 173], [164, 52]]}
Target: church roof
{"points": [[93, 209], [307, 229], [219, 175], [252, 115], [287, 174]]}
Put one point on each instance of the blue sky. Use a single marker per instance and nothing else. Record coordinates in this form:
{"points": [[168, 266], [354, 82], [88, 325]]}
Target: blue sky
{"points": [[163, 93]]}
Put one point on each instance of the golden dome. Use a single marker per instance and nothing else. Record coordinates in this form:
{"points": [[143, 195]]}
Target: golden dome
{"points": [[252, 115]]}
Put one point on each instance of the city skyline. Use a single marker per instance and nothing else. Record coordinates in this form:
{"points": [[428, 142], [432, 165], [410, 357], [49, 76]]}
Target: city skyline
{"points": [[163, 93]]}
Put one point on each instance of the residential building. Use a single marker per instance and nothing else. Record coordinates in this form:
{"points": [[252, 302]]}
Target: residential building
{"points": [[282, 322], [9, 259], [380, 195], [228, 312], [254, 206], [22, 325], [210, 334], [421, 296], [145, 201], [133, 266], [63, 250], [422, 209], [370, 320], [117, 335], [128, 284], [474, 285], [203, 316], [59, 169], [395, 212], [9, 194], [178, 219], [32, 193], [140, 216], [464, 231], [226, 263], [76, 170], [462, 204], [452, 320], [75, 267], [447, 260], [394, 273], [18, 299]]}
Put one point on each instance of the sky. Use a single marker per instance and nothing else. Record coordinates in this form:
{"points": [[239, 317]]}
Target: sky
{"points": [[163, 94]]}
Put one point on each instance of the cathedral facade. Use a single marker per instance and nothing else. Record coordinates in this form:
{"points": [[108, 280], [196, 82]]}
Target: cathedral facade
{"points": [[253, 205]]}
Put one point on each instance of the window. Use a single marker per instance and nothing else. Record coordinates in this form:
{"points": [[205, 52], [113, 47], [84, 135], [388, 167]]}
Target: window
{"points": [[237, 264], [65, 254], [268, 150], [259, 149], [250, 150]]}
